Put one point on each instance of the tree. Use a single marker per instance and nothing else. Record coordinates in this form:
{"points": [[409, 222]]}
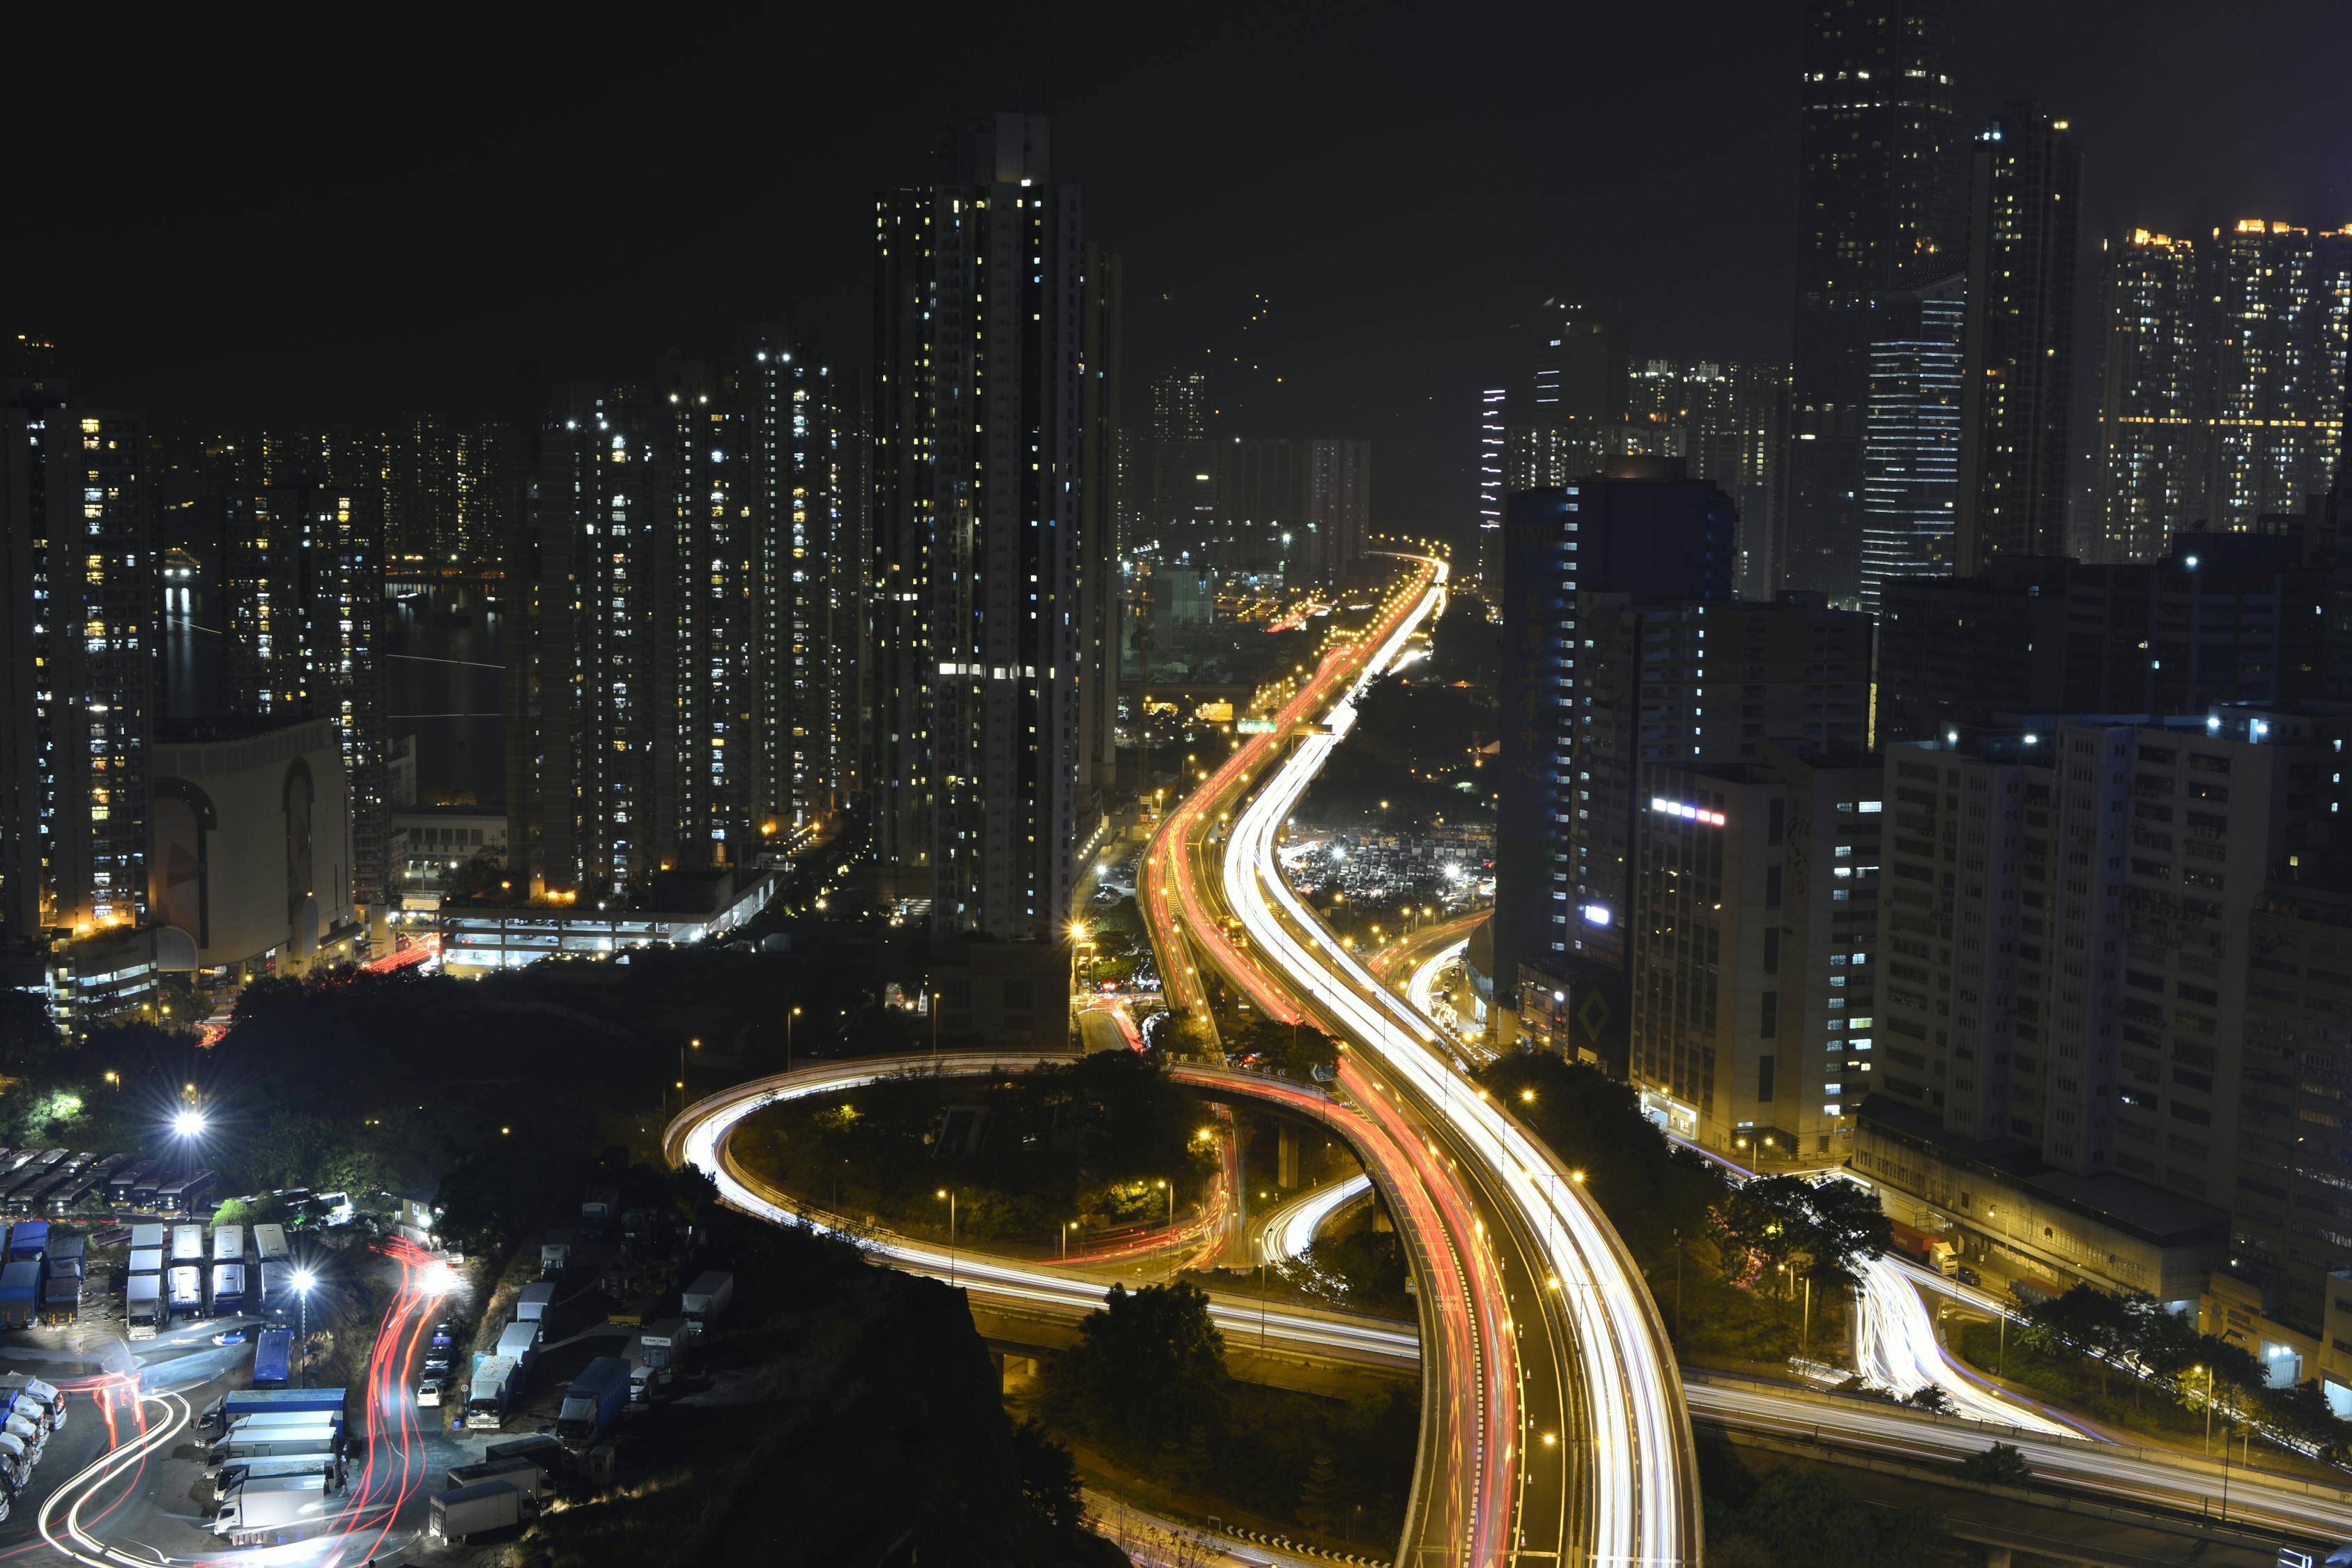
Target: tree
{"points": [[1318, 1496], [1804, 1517], [28, 1037], [2001, 1465], [1149, 1367], [1927, 1397], [1048, 1477], [1826, 1228]]}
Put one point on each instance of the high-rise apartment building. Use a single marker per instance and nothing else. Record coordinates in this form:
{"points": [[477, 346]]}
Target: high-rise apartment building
{"points": [[1577, 375], [2072, 982], [1880, 206], [1645, 530], [1180, 405], [682, 619], [2152, 425], [1101, 521], [301, 597], [2016, 404], [1494, 406], [1338, 505], [978, 425], [1752, 967], [1911, 442], [1723, 420], [2282, 316], [2223, 618], [80, 600]]}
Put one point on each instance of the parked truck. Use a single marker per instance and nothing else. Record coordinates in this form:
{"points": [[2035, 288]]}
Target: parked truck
{"points": [[148, 1236], [597, 1209], [547, 1452], [275, 1511], [643, 1373], [143, 1305], [273, 1442], [15, 1463], [326, 1467], [60, 1300], [269, 1244], [490, 1392], [522, 1474], [273, 1294], [187, 1244], [555, 1252], [68, 1256], [518, 1343], [20, 1295], [273, 1358], [705, 1300], [531, 1306], [49, 1394], [32, 1410], [328, 1404], [665, 1345], [228, 1289], [469, 1511], [28, 1431], [144, 1260], [593, 1402], [29, 1239], [184, 1290]]}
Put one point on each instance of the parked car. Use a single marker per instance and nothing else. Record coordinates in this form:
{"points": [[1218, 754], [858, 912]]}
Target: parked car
{"points": [[428, 1390], [1967, 1276]]}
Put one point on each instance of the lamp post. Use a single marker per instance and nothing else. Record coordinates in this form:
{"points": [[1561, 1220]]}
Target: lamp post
{"points": [[788, 1038], [1164, 1184], [303, 1280], [948, 1194], [697, 1044]]}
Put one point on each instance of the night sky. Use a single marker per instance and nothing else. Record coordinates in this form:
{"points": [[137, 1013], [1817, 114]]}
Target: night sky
{"points": [[235, 234]]}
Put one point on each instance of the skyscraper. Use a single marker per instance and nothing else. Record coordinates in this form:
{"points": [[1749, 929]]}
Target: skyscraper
{"points": [[2151, 420], [1180, 405], [1101, 450], [1493, 408], [2016, 403], [1576, 373], [978, 286], [1880, 206], [78, 602], [1911, 445], [1646, 530], [2282, 313], [1338, 505]]}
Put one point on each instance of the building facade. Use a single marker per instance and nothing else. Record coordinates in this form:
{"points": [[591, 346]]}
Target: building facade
{"points": [[2275, 363], [81, 594], [2152, 424], [1880, 206], [2017, 400], [1646, 530], [1911, 442], [978, 286]]}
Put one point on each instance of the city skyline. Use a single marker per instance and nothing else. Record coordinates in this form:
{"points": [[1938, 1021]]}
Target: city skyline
{"points": [[176, 301]]}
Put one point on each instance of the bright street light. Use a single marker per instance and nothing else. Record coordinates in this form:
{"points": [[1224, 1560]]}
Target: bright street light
{"points": [[303, 1280], [189, 1123]]}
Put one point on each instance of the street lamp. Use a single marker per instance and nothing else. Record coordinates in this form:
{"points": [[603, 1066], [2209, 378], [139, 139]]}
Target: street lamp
{"points": [[1162, 1182], [948, 1194], [788, 1038], [303, 1280]]}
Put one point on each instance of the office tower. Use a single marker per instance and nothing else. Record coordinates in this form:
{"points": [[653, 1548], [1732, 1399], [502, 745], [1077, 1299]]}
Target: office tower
{"points": [[1691, 682], [2222, 619], [1576, 373], [1753, 940], [1101, 353], [1494, 404], [1546, 457], [2025, 221], [1339, 506], [1880, 206], [977, 435], [1645, 530], [78, 633], [2282, 311], [1180, 405], [1911, 441], [2078, 991], [2152, 432]]}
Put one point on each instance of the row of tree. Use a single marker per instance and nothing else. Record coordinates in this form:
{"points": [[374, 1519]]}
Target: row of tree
{"points": [[2137, 1335]]}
